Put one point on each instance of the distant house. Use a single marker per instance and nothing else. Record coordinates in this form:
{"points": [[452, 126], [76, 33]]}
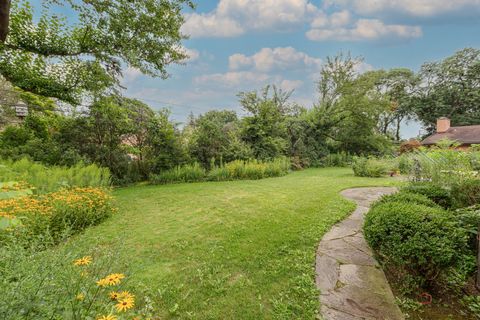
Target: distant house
{"points": [[464, 135]]}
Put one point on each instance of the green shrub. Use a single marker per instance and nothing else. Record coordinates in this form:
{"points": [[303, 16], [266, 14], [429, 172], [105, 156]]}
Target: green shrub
{"points": [[466, 193], [432, 191], [47, 179], [405, 163], [187, 173], [422, 240], [406, 197], [370, 167]]}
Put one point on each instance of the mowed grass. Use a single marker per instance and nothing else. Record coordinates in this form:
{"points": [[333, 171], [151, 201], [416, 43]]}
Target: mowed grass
{"points": [[228, 250]]}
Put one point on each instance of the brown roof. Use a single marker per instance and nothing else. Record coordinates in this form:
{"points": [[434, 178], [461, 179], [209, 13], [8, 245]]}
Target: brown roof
{"points": [[463, 135]]}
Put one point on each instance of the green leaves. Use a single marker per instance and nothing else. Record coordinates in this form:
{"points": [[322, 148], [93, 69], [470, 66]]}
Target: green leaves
{"points": [[449, 88], [68, 59]]}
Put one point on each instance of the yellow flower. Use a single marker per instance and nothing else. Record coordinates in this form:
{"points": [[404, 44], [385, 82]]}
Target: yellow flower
{"points": [[102, 283], [80, 296], [111, 280], [125, 304], [126, 295], [85, 261], [114, 295], [109, 317]]}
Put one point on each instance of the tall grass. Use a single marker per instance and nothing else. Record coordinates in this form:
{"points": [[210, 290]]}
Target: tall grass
{"points": [[187, 173], [441, 166], [339, 159], [47, 179], [235, 170], [251, 169]]}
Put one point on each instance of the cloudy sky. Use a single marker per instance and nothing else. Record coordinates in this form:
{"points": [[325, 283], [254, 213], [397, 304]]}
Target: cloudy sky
{"points": [[238, 45]]}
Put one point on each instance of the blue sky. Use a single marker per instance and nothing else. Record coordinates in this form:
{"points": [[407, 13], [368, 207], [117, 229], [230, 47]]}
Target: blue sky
{"points": [[239, 45]]}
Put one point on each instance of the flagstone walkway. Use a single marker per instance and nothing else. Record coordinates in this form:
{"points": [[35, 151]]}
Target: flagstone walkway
{"points": [[352, 285]]}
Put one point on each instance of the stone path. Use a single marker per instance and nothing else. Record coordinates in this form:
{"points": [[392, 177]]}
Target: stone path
{"points": [[351, 283]]}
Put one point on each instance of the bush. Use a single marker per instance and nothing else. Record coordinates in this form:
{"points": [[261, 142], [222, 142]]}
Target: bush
{"points": [[340, 159], [68, 210], [421, 240], [186, 173], [434, 192], [406, 197], [370, 167], [47, 179], [465, 193]]}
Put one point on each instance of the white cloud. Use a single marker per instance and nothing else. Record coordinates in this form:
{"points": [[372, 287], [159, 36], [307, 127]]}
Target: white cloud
{"points": [[416, 8], [281, 58], [289, 85], [232, 79], [211, 25], [365, 29], [267, 66], [234, 17], [337, 19], [130, 74], [192, 54]]}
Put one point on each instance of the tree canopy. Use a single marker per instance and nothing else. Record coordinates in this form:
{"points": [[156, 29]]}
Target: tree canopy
{"points": [[49, 54], [449, 88]]}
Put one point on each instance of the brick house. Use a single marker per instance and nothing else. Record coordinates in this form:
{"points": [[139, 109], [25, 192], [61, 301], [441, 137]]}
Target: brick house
{"points": [[464, 135]]}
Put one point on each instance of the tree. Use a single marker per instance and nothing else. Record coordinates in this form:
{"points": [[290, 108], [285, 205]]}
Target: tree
{"points": [[216, 137], [350, 107], [164, 150], [66, 59], [264, 129], [397, 85], [449, 88]]}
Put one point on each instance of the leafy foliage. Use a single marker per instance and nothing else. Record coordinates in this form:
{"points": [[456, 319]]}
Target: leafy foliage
{"points": [[436, 193], [64, 59], [424, 241], [370, 167], [45, 179], [449, 88]]}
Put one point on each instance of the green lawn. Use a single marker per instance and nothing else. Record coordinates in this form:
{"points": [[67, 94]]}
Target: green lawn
{"points": [[229, 250]]}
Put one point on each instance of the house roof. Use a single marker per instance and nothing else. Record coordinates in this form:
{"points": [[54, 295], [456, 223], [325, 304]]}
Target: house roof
{"points": [[463, 135]]}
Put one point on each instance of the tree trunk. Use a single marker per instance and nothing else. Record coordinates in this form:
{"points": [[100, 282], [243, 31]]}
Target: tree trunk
{"points": [[4, 19]]}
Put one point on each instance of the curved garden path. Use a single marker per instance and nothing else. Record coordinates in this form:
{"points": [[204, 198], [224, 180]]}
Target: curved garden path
{"points": [[351, 283]]}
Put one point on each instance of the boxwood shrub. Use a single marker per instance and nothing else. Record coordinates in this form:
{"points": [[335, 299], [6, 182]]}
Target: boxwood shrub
{"points": [[422, 240], [407, 197], [432, 191]]}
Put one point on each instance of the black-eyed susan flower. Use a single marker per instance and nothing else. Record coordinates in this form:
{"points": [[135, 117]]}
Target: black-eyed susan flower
{"points": [[111, 280], [126, 295], [114, 295], [102, 282], [125, 304], [85, 261]]}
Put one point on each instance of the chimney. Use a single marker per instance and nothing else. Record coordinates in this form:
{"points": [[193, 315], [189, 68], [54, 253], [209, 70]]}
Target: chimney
{"points": [[443, 124]]}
